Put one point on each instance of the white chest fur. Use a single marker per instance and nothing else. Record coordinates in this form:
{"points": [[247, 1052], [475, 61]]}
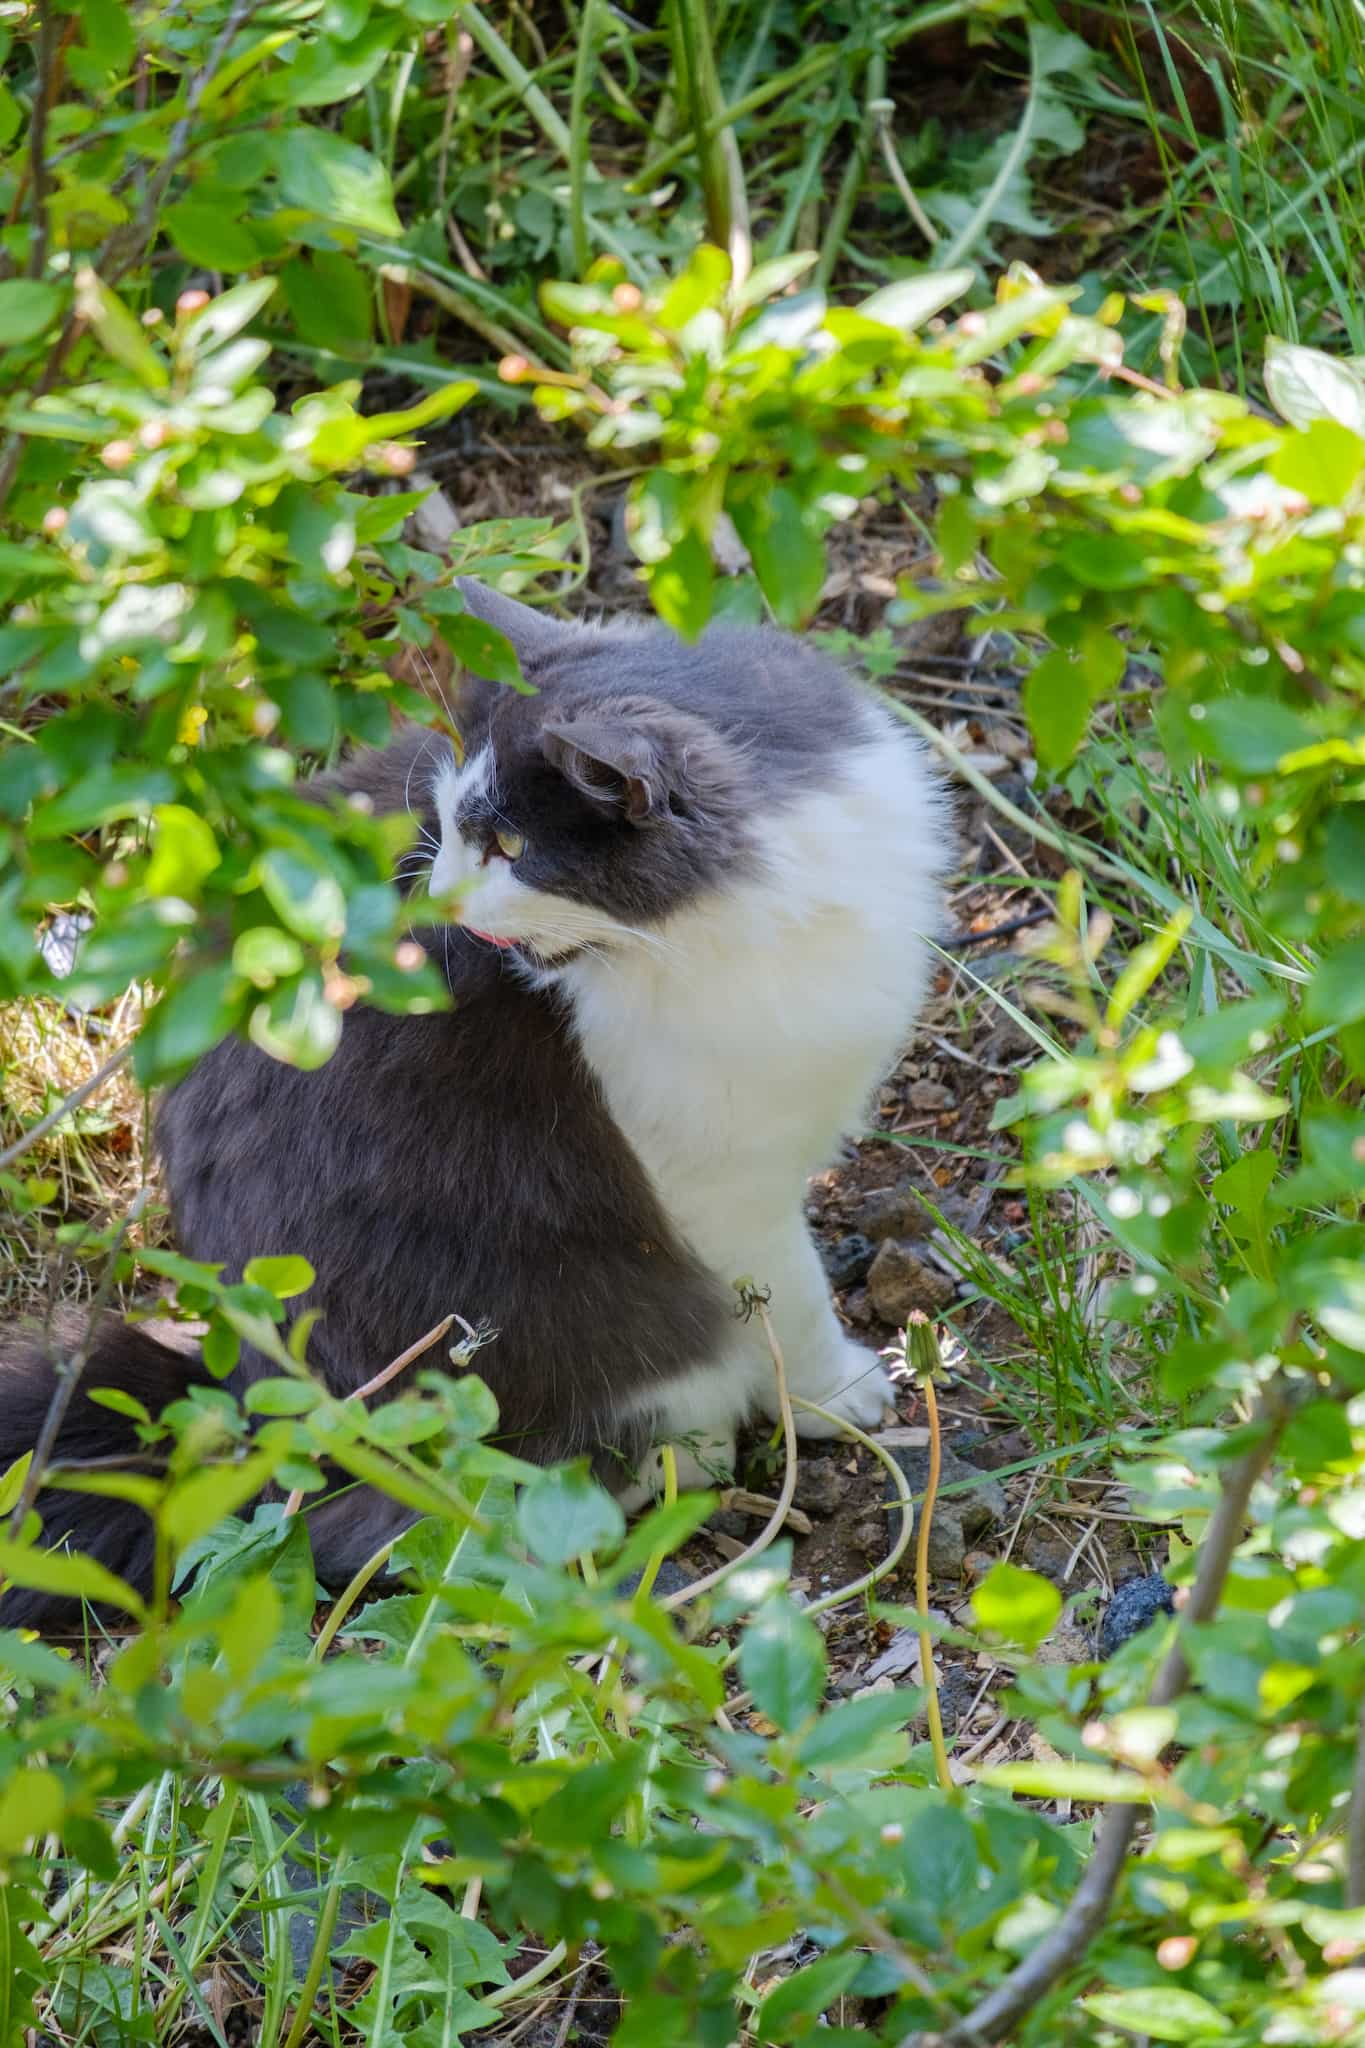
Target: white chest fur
{"points": [[737, 1051]]}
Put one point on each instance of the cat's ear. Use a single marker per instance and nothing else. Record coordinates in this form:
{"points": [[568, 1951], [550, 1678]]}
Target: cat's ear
{"points": [[642, 761], [531, 633], [609, 765]]}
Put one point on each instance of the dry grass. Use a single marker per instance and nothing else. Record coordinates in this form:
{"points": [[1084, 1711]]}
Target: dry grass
{"points": [[95, 1160]]}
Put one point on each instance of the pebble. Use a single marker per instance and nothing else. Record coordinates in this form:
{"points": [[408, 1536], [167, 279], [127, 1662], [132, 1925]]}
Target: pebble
{"points": [[1135, 1605], [821, 1485], [858, 1308], [898, 1283], [890, 1212], [847, 1259], [1047, 1554], [671, 1578], [930, 1095], [963, 1518]]}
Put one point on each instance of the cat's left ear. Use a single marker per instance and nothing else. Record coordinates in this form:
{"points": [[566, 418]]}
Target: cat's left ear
{"points": [[642, 761]]}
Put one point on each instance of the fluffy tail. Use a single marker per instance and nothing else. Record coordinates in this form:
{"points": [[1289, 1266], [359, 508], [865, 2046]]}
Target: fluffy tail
{"points": [[116, 1532]]}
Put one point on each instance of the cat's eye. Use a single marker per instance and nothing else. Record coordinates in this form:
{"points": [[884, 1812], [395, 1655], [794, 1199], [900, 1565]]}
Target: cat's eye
{"points": [[510, 844]]}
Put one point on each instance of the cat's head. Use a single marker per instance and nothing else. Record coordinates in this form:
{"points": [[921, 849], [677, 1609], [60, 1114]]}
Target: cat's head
{"points": [[589, 810]]}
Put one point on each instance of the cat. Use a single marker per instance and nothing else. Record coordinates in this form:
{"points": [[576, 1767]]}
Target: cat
{"points": [[695, 886]]}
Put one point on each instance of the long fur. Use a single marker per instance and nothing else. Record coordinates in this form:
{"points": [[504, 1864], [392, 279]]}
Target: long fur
{"points": [[694, 884]]}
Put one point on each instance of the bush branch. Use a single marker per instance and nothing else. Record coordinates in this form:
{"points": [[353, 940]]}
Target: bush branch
{"points": [[1064, 1945]]}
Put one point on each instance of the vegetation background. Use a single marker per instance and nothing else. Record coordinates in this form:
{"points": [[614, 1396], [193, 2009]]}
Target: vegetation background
{"points": [[1019, 350]]}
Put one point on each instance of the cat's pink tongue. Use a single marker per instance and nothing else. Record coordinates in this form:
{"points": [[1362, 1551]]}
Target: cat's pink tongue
{"points": [[489, 937]]}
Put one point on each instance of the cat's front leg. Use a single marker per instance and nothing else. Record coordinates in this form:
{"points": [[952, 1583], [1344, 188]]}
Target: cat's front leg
{"points": [[823, 1363]]}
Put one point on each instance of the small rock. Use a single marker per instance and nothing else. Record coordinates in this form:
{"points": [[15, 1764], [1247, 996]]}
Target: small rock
{"points": [[957, 1691], [898, 1283], [930, 1095], [890, 1212], [858, 1308], [998, 1448], [1134, 1606], [670, 1578], [1047, 1554], [877, 1687], [846, 1260], [960, 1520], [821, 1486], [1066, 1645], [872, 1538], [727, 1522]]}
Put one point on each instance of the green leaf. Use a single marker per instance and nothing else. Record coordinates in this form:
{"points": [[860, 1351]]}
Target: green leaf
{"points": [[1305, 385], [187, 1022], [118, 333], [304, 894], [1094, 1783], [208, 236], [67, 1573], [336, 181], [284, 1276], [1334, 1292], [1324, 462], [330, 299], [297, 1024], [281, 1397], [855, 1731], [910, 301], [12, 1483], [700, 286], [805, 1995], [1163, 2012], [28, 308], [1057, 704], [1336, 994], [264, 955], [210, 1495], [482, 650], [1251, 734], [782, 1662], [767, 280], [565, 1514], [184, 852], [31, 1804], [1018, 1605], [332, 69], [787, 551], [225, 316]]}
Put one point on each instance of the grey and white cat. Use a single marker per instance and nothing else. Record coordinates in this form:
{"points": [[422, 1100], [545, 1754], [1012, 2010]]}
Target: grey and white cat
{"points": [[693, 885]]}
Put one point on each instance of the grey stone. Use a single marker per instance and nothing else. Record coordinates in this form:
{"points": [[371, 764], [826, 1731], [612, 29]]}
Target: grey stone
{"points": [[890, 1212], [670, 1578], [821, 1486], [1135, 1605], [846, 1260], [898, 1283], [970, 1515], [930, 1095]]}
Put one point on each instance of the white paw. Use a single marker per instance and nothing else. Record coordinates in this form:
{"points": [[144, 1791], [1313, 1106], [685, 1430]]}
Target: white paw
{"points": [[855, 1387]]}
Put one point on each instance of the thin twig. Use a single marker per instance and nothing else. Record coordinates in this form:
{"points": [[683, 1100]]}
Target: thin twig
{"points": [[44, 92], [997, 2015], [372, 1386], [64, 1108], [69, 1372]]}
